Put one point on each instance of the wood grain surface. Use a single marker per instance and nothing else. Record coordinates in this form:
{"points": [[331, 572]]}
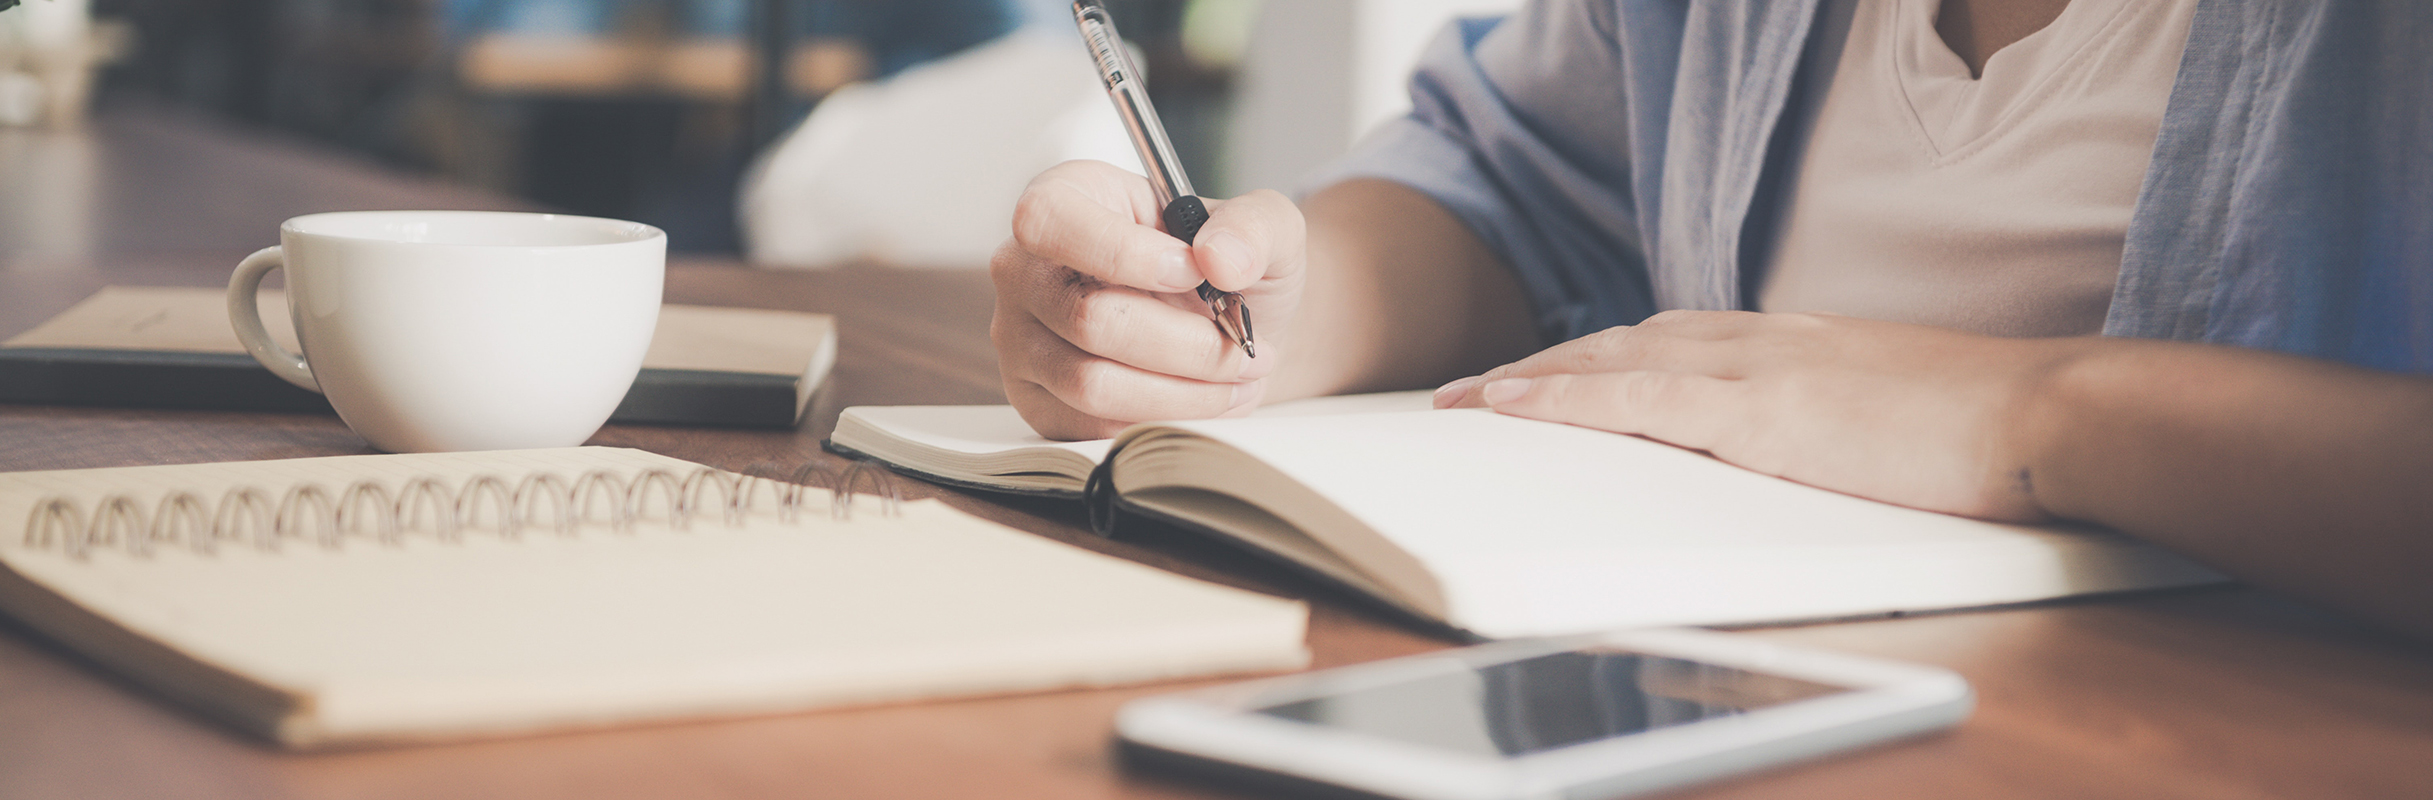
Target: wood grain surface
{"points": [[2218, 693]]}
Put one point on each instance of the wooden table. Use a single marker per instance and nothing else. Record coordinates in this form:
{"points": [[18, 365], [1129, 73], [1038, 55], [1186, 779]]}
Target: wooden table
{"points": [[2223, 693]]}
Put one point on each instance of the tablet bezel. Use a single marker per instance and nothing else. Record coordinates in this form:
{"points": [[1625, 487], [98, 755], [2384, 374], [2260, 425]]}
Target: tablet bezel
{"points": [[1886, 700]]}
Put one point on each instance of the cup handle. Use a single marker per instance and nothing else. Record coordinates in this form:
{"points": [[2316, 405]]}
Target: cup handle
{"points": [[245, 312]]}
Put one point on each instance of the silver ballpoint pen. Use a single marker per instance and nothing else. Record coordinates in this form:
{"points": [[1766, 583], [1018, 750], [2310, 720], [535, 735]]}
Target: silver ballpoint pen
{"points": [[1182, 210]]}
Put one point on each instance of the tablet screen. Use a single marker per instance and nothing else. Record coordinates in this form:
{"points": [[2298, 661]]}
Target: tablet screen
{"points": [[1550, 701]]}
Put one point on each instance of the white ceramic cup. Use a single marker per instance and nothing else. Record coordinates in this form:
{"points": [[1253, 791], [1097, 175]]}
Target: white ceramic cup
{"points": [[460, 330]]}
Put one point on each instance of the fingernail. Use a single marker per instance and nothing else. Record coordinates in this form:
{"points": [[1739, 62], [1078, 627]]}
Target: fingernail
{"points": [[1175, 271], [1505, 391], [1246, 393], [1232, 255], [1451, 394]]}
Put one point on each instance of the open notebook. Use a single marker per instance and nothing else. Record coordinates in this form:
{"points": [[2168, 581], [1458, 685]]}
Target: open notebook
{"points": [[354, 618], [1505, 526]]}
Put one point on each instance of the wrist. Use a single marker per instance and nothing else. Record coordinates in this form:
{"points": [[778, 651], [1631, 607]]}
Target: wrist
{"points": [[2062, 427]]}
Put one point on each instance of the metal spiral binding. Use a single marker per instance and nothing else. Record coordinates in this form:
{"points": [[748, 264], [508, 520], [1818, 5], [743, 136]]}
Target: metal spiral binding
{"points": [[370, 509]]}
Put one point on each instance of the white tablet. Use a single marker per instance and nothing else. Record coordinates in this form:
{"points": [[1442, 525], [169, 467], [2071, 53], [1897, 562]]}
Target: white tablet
{"points": [[1578, 717]]}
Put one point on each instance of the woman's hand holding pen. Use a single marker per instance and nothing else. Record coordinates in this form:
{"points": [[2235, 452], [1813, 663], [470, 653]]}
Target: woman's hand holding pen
{"points": [[1097, 325]]}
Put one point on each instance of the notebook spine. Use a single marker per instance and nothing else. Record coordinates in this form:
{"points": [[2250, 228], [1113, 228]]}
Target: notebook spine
{"points": [[374, 510], [1098, 495]]}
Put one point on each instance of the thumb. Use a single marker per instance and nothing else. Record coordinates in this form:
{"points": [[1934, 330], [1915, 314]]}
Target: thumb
{"points": [[1254, 237]]}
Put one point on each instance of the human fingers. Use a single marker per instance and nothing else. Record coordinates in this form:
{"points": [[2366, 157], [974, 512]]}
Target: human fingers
{"points": [[1693, 411], [1055, 420], [1706, 325], [1150, 331], [1021, 340], [1101, 387], [1256, 237], [1244, 406], [1617, 349], [1096, 219]]}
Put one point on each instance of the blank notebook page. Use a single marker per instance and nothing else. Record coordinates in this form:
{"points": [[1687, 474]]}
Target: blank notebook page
{"points": [[543, 630], [1537, 527]]}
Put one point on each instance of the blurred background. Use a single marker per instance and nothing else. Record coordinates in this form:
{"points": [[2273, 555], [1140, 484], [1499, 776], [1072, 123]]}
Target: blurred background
{"points": [[793, 132]]}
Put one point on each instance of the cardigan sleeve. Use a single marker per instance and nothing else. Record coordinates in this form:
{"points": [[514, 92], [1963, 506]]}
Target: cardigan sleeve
{"points": [[1526, 129]]}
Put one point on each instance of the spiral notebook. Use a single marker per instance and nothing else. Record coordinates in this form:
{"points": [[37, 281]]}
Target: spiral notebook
{"points": [[392, 598], [1504, 526]]}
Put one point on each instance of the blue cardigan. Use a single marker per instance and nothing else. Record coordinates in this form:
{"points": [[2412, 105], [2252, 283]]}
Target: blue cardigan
{"points": [[1613, 151]]}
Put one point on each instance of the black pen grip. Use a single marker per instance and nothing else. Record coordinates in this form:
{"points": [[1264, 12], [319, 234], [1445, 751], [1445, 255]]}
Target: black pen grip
{"points": [[1184, 216]]}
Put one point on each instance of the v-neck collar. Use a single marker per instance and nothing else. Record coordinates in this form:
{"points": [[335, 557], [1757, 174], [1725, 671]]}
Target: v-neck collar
{"points": [[1955, 112]]}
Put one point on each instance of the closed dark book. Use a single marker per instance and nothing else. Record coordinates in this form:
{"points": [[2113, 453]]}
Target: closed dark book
{"points": [[143, 347]]}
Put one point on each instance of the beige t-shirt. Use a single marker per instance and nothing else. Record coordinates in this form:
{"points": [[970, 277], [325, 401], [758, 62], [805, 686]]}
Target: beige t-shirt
{"points": [[1994, 204]]}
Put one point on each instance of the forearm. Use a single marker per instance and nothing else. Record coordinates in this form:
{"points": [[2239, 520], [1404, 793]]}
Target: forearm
{"points": [[1400, 295], [2299, 475]]}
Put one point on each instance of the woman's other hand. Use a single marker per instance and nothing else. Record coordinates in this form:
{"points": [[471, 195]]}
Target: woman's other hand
{"points": [[1908, 414]]}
